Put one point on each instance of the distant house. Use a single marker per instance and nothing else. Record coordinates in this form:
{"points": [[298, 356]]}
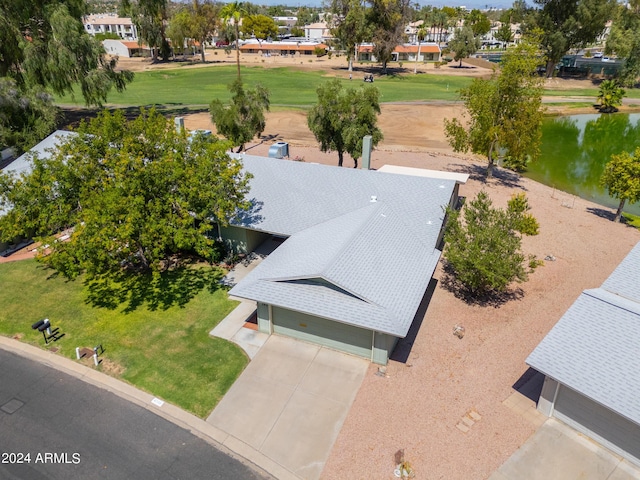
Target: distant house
{"points": [[126, 49], [317, 31], [429, 52], [110, 23], [282, 48], [591, 362], [358, 252]]}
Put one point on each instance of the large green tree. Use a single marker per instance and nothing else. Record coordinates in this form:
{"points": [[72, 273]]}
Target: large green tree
{"points": [[478, 21], [568, 24], [348, 26], [151, 17], [464, 43], [243, 118], [621, 178], [504, 34], [26, 115], [259, 26], [342, 117], [180, 31], [43, 44], [624, 41], [137, 195], [387, 19], [505, 112], [205, 20], [482, 244]]}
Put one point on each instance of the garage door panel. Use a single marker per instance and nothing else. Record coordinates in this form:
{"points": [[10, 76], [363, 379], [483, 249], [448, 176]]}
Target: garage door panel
{"points": [[339, 336], [603, 425]]}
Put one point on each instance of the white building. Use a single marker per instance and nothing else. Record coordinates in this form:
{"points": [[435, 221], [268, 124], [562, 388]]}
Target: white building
{"points": [[317, 31], [110, 23]]}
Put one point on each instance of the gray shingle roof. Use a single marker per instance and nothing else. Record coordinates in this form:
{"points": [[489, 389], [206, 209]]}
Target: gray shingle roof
{"points": [[22, 164], [595, 347], [42, 149], [380, 255], [291, 196], [625, 279]]}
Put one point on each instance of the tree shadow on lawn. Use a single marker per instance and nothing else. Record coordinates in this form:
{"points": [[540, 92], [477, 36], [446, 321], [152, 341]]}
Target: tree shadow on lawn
{"points": [[492, 299], [160, 292]]}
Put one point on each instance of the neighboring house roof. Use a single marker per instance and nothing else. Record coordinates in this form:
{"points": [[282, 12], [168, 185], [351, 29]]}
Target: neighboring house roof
{"points": [[362, 246], [43, 149], [22, 164], [594, 347]]}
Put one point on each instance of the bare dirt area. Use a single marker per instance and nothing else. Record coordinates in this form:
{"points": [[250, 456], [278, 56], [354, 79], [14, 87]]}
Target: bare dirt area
{"points": [[404, 126]]}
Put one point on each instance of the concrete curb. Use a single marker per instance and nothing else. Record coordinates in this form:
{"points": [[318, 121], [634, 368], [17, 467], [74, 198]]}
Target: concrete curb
{"points": [[216, 437]]}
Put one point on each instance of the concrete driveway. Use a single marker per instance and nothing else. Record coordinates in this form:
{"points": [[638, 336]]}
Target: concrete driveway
{"points": [[290, 403], [558, 452]]}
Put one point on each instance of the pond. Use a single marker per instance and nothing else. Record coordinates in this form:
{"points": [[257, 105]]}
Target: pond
{"points": [[575, 149]]}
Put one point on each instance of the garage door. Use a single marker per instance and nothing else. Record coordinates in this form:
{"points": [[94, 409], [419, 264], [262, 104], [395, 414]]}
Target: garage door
{"points": [[603, 425], [338, 336]]}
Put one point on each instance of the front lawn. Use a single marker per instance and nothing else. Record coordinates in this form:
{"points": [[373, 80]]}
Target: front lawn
{"points": [[155, 335]]}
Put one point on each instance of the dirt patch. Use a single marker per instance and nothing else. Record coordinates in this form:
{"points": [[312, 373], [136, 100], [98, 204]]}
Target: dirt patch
{"points": [[412, 127]]}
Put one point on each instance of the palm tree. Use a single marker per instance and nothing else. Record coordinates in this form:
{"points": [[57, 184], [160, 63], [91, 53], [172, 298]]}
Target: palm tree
{"points": [[610, 96], [420, 34], [234, 12]]}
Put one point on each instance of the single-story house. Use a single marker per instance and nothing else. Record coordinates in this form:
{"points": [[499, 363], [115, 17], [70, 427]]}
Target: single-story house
{"points": [[429, 52], [591, 362], [359, 251], [126, 49], [282, 48], [358, 248]]}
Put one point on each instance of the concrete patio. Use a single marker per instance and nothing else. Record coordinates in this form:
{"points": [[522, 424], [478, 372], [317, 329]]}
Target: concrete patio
{"points": [[558, 452]]}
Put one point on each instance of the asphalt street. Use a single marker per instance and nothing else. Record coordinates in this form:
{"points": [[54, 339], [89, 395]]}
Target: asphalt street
{"points": [[53, 426]]}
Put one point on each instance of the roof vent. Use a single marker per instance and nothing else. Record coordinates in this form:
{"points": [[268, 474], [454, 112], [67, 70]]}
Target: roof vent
{"points": [[373, 199]]}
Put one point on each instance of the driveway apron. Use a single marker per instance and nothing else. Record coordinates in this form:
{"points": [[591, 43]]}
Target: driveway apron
{"points": [[290, 403]]}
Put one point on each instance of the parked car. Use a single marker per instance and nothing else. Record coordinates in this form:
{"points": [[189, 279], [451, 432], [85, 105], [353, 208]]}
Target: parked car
{"points": [[221, 43], [597, 55]]}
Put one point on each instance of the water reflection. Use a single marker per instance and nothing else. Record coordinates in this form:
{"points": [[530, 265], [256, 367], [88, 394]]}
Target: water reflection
{"points": [[575, 149]]}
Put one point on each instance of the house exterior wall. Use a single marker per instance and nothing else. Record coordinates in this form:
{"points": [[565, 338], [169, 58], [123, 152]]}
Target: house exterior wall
{"points": [[383, 345], [547, 396], [242, 240], [321, 331], [264, 318], [116, 47]]}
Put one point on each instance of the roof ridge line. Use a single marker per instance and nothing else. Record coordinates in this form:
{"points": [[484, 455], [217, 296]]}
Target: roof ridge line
{"points": [[610, 297]]}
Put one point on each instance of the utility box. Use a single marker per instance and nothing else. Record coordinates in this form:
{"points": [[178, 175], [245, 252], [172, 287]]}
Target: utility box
{"points": [[279, 150]]}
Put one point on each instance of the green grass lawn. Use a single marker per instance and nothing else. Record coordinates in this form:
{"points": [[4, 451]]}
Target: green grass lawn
{"points": [[587, 92], [288, 86], [155, 336]]}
